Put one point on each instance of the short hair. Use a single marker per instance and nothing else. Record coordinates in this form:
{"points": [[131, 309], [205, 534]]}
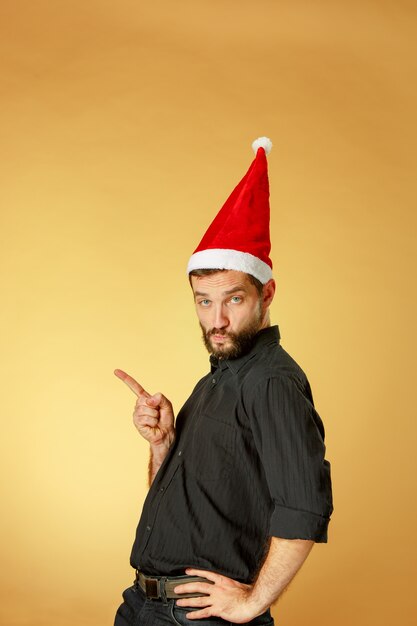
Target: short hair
{"points": [[206, 272]]}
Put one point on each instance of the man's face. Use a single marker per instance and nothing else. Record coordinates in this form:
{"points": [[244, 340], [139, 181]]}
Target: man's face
{"points": [[230, 312]]}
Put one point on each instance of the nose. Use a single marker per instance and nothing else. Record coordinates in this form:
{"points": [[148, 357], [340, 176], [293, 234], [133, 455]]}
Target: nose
{"points": [[220, 319]]}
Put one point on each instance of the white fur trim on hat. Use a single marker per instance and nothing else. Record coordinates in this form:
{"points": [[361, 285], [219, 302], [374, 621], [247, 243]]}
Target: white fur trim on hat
{"points": [[223, 259]]}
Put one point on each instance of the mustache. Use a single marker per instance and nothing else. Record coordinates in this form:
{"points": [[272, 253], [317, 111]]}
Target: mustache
{"points": [[217, 331]]}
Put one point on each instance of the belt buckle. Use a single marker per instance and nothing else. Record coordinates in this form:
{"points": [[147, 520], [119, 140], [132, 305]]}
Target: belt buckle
{"points": [[152, 588]]}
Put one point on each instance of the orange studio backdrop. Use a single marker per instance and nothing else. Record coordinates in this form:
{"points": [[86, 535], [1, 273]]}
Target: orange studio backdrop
{"points": [[124, 126]]}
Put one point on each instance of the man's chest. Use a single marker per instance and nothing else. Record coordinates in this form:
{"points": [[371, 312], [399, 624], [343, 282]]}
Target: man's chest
{"points": [[213, 428]]}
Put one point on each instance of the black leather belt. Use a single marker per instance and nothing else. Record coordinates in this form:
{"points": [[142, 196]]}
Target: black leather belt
{"points": [[162, 587]]}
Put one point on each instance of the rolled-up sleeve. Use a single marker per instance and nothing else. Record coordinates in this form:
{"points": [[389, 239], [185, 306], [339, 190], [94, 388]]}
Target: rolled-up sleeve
{"points": [[289, 436]]}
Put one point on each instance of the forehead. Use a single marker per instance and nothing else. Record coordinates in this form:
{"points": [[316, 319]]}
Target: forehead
{"points": [[221, 281]]}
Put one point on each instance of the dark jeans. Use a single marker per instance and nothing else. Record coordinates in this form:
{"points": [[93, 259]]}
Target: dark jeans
{"points": [[136, 610]]}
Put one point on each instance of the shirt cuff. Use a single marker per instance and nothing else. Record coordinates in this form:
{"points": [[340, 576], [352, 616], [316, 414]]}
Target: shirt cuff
{"points": [[296, 524]]}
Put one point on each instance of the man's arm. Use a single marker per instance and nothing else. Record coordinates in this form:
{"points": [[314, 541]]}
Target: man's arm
{"points": [[154, 419], [240, 603], [158, 453]]}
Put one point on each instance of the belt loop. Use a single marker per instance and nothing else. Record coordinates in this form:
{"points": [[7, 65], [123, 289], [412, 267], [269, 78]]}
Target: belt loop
{"points": [[162, 590]]}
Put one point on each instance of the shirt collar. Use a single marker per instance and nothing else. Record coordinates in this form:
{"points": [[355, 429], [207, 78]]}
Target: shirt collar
{"points": [[266, 336]]}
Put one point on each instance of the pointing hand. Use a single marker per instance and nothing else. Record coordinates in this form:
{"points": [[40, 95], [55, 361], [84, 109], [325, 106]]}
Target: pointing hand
{"points": [[153, 415]]}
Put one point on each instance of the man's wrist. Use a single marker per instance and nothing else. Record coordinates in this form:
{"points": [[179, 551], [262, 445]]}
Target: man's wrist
{"points": [[256, 601], [159, 450], [158, 454]]}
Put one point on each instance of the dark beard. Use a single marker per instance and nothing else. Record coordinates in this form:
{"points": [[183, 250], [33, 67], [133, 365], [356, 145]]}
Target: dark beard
{"points": [[242, 342]]}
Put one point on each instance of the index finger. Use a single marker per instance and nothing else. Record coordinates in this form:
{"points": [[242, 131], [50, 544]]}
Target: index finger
{"points": [[198, 587], [211, 576], [137, 389]]}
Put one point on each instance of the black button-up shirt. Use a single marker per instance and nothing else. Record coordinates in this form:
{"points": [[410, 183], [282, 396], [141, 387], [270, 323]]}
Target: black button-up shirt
{"points": [[247, 463]]}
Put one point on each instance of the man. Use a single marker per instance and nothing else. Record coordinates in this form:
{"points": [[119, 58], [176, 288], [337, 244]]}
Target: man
{"points": [[239, 487]]}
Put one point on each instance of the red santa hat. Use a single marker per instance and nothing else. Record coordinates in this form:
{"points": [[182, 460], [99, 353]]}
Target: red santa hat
{"points": [[238, 237]]}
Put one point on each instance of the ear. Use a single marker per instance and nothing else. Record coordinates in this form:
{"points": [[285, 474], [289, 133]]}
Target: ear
{"points": [[268, 293]]}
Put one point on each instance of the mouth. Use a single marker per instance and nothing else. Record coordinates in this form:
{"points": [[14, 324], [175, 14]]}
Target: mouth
{"points": [[218, 338]]}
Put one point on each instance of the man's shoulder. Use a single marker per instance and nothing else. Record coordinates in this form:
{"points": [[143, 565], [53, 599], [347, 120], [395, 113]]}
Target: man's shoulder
{"points": [[276, 370], [273, 363]]}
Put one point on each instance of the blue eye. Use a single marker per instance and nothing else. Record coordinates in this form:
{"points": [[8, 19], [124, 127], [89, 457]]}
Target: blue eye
{"points": [[204, 302], [236, 299]]}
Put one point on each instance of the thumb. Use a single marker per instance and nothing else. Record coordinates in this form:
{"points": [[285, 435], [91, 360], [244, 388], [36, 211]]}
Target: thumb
{"points": [[153, 401], [157, 400]]}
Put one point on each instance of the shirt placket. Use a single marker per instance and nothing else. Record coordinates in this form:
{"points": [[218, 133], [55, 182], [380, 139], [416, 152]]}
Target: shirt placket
{"points": [[179, 460]]}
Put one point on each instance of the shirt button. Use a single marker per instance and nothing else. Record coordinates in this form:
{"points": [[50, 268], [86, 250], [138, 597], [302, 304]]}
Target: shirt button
{"points": [[148, 528], [161, 489], [179, 453], [213, 380]]}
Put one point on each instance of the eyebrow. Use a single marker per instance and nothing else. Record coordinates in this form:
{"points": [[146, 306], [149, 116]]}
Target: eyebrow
{"points": [[225, 293]]}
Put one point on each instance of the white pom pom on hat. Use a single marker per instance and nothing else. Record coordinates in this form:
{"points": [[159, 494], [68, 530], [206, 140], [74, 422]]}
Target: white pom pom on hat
{"points": [[238, 237], [262, 142]]}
